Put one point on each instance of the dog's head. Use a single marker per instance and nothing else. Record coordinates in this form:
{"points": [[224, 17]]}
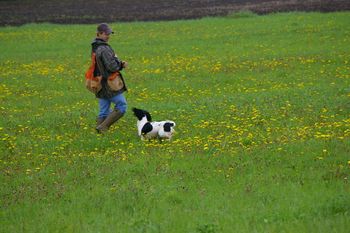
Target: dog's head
{"points": [[169, 126], [166, 130]]}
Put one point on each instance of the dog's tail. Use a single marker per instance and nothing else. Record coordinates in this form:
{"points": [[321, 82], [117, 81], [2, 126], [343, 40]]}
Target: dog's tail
{"points": [[139, 113]]}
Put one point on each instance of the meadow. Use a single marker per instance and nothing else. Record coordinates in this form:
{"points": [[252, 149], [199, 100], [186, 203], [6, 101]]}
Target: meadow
{"points": [[262, 143]]}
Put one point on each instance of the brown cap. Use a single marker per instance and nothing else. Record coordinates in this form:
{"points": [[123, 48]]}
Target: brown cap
{"points": [[103, 27]]}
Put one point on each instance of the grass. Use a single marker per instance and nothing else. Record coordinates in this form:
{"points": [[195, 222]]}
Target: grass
{"points": [[241, 14], [262, 111]]}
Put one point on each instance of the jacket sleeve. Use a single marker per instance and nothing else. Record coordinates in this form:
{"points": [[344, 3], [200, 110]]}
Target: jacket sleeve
{"points": [[111, 63]]}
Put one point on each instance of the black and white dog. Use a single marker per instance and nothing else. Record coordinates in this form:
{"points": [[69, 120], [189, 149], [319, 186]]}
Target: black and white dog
{"points": [[148, 129]]}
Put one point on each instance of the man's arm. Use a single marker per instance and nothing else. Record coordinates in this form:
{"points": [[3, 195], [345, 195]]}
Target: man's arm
{"points": [[111, 62]]}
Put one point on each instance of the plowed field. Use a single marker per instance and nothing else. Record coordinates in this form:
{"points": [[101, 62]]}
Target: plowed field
{"points": [[17, 12]]}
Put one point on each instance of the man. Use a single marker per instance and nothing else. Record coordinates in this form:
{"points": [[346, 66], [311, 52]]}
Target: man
{"points": [[108, 63]]}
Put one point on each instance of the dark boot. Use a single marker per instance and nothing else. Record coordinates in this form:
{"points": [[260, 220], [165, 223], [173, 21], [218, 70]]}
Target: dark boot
{"points": [[100, 120], [114, 116]]}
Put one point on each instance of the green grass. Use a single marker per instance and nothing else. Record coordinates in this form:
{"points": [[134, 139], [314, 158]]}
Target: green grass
{"points": [[262, 111]]}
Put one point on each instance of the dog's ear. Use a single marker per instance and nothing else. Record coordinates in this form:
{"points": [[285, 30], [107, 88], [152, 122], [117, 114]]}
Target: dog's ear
{"points": [[167, 126]]}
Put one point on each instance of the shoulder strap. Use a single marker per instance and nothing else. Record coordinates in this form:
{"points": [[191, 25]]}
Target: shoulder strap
{"points": [[98, 64]]}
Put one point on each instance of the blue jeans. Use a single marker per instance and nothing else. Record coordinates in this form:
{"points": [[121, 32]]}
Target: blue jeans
{"points": [[105, 104]]}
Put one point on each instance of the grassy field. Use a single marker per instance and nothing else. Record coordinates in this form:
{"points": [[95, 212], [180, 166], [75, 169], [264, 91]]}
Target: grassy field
{"points": [[262, 109]]}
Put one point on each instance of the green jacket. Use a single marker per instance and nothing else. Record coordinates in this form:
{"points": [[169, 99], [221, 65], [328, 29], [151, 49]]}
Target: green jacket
{"points": [[107, 63]]}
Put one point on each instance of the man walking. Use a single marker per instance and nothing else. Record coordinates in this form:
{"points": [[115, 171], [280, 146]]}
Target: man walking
{"points": [[108, 63]]}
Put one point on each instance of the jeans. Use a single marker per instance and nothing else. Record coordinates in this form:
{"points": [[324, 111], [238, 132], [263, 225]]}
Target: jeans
{"points": [[105, 104]]}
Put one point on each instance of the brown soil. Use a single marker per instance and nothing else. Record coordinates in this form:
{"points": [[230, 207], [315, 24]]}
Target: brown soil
{"points": [[17, 12]]}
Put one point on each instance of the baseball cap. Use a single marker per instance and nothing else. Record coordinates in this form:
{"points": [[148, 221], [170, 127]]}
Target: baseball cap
{"points": [[103, 27]]}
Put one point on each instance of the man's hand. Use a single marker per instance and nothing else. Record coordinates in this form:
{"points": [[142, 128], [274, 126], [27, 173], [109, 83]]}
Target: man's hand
{"points": [[125, 64]]}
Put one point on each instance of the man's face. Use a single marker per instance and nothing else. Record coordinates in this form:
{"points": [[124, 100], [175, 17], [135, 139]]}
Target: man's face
{"points": [[104, 36]]}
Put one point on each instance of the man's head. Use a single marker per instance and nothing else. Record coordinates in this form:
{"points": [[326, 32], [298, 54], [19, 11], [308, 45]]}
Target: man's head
{"points": [[103, 31]]}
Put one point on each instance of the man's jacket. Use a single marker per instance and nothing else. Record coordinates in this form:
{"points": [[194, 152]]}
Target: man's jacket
{"points": [[107, 63]]}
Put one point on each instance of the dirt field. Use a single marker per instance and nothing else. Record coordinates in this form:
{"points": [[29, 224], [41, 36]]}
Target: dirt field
{"points": [[17, 12]]}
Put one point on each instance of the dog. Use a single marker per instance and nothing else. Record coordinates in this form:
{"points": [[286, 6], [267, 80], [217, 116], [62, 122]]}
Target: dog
{"points": [[148, 129]]}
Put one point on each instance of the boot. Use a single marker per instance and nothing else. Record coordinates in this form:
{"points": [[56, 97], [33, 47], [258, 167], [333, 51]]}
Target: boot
{"points": [[110, 120], [100, 120]]}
